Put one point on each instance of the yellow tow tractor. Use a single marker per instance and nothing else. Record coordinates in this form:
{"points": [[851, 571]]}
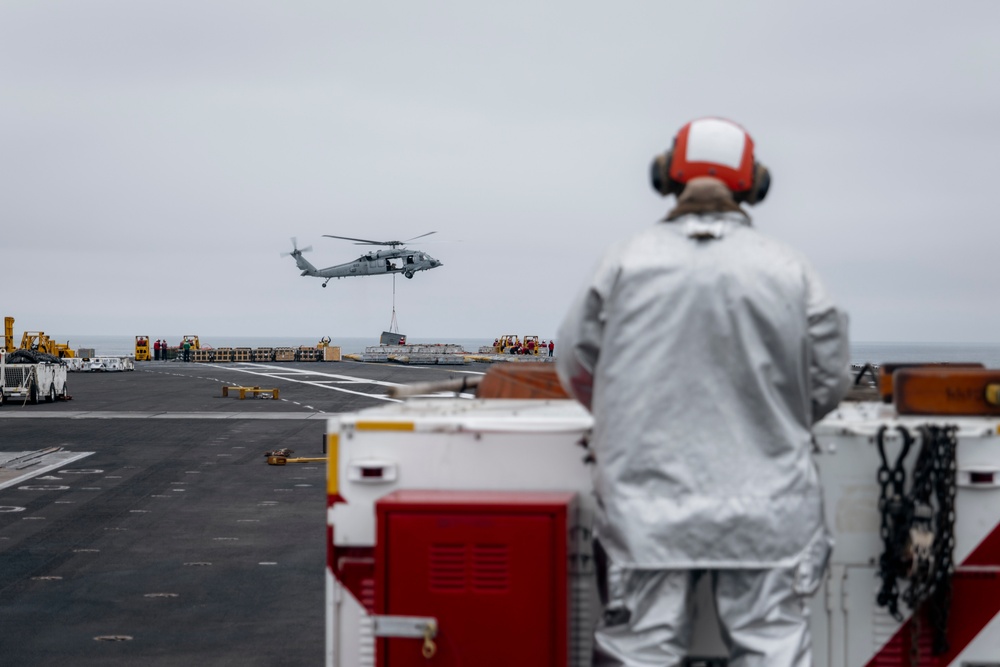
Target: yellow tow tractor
{"points": [[533, 347], [193, 340], [507, 341]]}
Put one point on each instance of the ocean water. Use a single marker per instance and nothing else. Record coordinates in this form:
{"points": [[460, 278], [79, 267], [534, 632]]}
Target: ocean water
{"points": [[987, 354]]}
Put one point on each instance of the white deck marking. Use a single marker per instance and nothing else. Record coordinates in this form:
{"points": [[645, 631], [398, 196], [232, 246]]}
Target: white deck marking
{"points": [[46, 464], [287, 374]]}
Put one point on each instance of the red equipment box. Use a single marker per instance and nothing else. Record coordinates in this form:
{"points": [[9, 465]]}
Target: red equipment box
{"points": [[491, 567]]}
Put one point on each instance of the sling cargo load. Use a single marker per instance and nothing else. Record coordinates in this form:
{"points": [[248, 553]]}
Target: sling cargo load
{"points": [[459, 534]]}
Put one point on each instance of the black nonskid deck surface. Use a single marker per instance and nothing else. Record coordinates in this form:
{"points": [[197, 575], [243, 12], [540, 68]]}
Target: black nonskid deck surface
{"points": [[174, 543]]}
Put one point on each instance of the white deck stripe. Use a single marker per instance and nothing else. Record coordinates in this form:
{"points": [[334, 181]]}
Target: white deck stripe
{"points": [[285, 372], [31, 472]]}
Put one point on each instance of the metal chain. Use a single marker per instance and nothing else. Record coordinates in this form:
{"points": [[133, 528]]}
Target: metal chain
{"points": [[917, 530], [945, 488], [895, 521]]}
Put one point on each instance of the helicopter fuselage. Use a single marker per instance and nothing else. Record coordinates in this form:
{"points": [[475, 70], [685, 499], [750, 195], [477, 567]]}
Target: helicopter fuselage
{"points": [[396, 260]]}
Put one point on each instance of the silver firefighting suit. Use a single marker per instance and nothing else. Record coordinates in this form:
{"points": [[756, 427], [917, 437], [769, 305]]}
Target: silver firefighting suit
{"points": [[705, 352]]}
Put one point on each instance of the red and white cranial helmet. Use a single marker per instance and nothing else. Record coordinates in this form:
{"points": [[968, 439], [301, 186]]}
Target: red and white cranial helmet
{"points": [[713, 147]]}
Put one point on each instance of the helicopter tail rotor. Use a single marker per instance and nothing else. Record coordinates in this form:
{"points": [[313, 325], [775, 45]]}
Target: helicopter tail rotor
{"points": [[296, 251]]}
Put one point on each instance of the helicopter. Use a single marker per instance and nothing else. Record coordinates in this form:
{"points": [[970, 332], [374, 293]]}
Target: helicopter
{"points": [[396, 259]]}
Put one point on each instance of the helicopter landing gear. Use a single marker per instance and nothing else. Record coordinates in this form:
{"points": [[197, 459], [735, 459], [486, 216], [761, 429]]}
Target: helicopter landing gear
{"points": [[325, 282], [408, 274]]}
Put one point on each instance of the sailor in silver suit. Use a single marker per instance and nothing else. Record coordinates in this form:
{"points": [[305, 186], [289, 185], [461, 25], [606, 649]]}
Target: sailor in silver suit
{"points": [[706, 351]]}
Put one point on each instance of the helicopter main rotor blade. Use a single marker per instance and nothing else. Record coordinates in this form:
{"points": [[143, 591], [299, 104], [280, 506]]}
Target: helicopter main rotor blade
{"points": [[371, 242], [419, 237], [361, 241]]}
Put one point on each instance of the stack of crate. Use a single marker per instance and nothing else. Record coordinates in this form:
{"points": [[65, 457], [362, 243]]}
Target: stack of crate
{"points": [[202, 356], [263, 354], [284, 354], [307, 353], [242, 354], [224, 354]]}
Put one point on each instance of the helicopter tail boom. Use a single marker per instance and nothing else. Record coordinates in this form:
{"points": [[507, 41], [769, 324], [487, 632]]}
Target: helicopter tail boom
{"points": [[301, 262]]}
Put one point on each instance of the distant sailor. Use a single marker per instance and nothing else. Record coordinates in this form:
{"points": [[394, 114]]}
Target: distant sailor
{"points": [[705, 352]]}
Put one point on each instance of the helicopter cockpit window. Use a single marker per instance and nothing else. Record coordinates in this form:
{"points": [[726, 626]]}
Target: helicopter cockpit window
{"points": [[409, 259]]}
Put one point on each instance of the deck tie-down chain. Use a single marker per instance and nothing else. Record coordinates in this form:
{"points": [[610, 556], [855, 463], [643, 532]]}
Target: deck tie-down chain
{"points": [[917, 530]]}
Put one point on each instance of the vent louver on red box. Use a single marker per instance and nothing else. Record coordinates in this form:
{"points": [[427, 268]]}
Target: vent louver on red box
{"points": [[490, 568], [447, 568]]}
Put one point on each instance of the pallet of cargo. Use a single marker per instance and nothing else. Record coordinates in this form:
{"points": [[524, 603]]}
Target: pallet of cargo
{"points": [[307, 353], [263, 354], [256, 392], [224, 354], [284, 354], [242, 354], [202, 356]]}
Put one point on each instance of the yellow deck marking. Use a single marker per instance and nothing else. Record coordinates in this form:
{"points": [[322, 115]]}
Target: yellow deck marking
{"points": [[333, 460], [384, 426]]}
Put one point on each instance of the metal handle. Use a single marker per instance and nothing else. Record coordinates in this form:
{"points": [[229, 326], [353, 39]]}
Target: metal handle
{"points": [[418, 627]]}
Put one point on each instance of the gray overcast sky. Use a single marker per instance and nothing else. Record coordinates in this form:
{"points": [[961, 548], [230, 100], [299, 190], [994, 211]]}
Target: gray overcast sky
{"points": [[155, 158]]}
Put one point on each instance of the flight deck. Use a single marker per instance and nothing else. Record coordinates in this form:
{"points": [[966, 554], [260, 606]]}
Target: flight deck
{"points": [[152, 529]]}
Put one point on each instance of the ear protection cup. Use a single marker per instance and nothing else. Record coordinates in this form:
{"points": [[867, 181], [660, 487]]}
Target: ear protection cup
{"points": [[659, 175], [761, 183], [758, 187]]}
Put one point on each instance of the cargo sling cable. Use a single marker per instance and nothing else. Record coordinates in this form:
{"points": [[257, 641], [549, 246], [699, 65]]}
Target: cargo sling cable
{"points": [[918, 542], [393, 324]]}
